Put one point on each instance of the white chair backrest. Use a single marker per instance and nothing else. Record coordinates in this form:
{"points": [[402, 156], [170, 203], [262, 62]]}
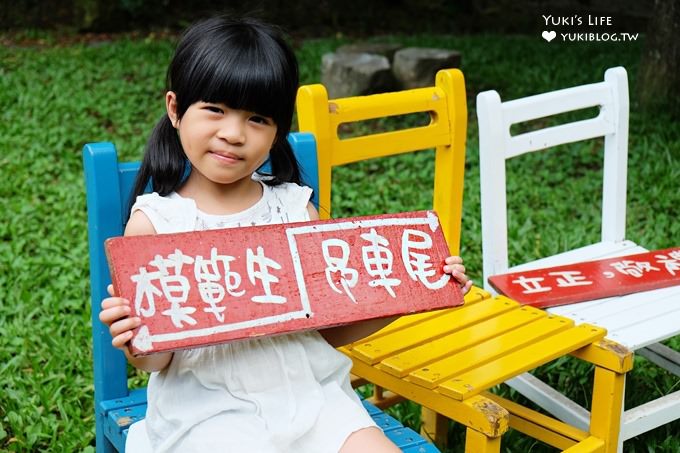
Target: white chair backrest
{"points": [[496, 144]]}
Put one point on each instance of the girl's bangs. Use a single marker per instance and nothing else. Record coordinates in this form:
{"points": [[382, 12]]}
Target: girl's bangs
{"points": [[249, 82]]}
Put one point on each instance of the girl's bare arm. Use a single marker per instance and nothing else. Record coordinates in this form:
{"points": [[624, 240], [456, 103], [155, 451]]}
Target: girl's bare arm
{"points": [[342, 335]]}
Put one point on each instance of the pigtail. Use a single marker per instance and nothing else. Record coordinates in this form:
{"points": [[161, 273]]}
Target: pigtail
{"points": [[284, 165], [164, 163]]}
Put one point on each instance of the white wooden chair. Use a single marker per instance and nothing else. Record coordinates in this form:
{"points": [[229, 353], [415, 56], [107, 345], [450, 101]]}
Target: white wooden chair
{"points": [[637, 321]]}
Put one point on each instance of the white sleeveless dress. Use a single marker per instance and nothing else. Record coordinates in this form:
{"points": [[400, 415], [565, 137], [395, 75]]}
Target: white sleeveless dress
{"points": [[288, 393]]}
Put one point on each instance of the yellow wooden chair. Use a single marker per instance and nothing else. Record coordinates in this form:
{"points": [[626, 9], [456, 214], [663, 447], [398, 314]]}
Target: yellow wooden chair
{"points": [[448, 360]]}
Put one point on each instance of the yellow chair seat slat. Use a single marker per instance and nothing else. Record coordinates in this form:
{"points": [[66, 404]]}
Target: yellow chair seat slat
{"points": [[499, 346], [406, 322], [401, 324], [476, 295], [525, 359], [449, 321], [518, 329]]}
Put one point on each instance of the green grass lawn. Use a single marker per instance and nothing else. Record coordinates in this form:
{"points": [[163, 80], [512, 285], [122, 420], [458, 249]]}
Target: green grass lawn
{"points": [[55, 98]]}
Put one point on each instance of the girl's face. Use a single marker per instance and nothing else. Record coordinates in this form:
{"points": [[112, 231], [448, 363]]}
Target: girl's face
{"points": [[223, 144]]}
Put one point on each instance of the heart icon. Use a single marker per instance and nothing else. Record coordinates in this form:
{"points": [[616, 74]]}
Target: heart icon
{"points": [[549, 35]]}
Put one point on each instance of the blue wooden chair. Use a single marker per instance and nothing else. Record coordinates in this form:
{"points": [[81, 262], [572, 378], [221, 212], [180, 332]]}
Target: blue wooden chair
{"points": [[108, 186]]}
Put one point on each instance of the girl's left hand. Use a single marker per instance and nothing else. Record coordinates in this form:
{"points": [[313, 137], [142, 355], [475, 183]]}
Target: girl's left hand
{"points": [[454, 266]]}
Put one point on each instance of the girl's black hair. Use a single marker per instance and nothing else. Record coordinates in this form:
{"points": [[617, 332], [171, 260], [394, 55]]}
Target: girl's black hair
{"points": [[242, 63]]}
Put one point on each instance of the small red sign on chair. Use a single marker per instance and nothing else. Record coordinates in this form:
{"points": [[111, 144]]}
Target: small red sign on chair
{"points": [[206, 287], [590, 280]]}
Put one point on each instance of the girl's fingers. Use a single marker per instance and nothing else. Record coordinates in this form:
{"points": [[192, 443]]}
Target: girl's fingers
{"points": [[110, 314], [123, 326], [460, 277], [121, 340], [454, 260], [463, 280], [115, 313], [466, 287], [451, 268], [110, 302]]}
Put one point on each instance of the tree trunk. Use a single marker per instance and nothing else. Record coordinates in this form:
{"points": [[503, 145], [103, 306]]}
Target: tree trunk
{"points": [[659, 73]]}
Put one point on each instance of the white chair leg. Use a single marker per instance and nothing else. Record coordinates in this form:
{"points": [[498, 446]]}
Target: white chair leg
{"points": [[551, 400], [662, 356], [650, 415]]}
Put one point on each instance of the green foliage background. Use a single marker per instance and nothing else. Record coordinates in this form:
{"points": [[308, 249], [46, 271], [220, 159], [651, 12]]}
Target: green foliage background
{"points": [[55, 97]]}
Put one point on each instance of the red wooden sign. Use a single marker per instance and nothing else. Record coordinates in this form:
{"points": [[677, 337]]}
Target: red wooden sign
{"points": [[207, 287], [591, 280]]}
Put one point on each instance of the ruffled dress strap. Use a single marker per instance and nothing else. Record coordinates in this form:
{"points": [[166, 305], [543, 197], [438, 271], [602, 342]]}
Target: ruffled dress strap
{"points": [[288, 202], [171, 214]]}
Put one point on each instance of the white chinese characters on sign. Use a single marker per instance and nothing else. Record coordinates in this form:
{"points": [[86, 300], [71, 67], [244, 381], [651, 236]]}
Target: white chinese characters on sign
{"points": [[216, 279], [570, 278], [174, 287], [263, 264], [633, 268], [531, 285], [213, 280], [564, 279], [418, 265], [378, 261], [670, 261], [348, 276]]}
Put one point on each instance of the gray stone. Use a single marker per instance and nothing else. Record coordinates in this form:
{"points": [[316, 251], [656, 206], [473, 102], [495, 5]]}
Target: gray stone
{"points": [[377, 48], [354, 74], [416, 67]]}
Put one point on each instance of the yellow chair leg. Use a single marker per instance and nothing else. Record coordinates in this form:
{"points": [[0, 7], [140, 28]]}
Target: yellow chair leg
{"points": [[605, 416], [588, 445], [434, 426], [476, 442]]}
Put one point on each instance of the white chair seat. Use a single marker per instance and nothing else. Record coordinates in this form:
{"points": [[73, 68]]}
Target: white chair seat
{"points": [[633, 320]]}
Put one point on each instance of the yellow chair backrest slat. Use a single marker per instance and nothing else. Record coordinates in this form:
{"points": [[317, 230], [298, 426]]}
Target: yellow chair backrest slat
{"points": [[446, 104]]}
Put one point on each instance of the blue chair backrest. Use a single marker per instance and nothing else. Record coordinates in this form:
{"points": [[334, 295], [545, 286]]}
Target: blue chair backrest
{"points": [[108, 186]]}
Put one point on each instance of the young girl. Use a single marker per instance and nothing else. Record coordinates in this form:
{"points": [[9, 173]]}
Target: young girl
{"points": [[230, 101]]}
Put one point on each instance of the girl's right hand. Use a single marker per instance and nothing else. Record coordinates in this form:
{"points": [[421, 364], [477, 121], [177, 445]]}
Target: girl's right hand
{"points": [[115, 314]]}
